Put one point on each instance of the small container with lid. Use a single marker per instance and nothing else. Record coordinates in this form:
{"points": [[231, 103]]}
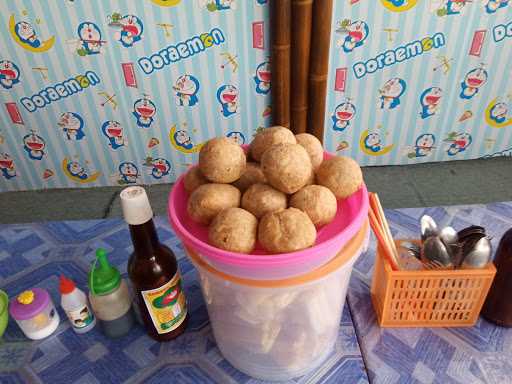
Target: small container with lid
{"points": [[110, 298], [35, 313]]}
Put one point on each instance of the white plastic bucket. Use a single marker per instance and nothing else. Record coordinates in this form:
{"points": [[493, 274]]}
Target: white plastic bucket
{"points": [[279, 329]]}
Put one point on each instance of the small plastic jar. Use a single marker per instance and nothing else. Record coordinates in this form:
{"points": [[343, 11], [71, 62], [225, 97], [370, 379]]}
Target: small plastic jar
{"points": [[35, 313]]}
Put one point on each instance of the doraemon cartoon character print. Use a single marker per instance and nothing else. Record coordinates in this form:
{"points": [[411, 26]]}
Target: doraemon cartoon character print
{"points": [[356, 34], [34, 145], [424, 146], [263, 78], [131, 30], [9, 74], [472, 83], [373, 142], [7, 166], [459, 142], [90, 39], [159, 168], [186, 89], [219, 5], [25, 31], [128, 173], [491, 6], [391, 92], [498, 112], [237, 136], [77, 170], [343, 114], [227, 95], [430, 100], [182, 139], [72, 124], [113, 131], [448, 7], [144, 111]]}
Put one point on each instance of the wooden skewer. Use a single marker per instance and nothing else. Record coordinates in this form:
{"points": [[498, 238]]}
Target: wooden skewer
{"points": [[374, 223], [379, 213]]}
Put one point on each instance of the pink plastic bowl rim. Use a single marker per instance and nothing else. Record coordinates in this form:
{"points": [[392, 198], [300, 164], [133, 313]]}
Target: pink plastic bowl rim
{"points": [[254, 260]]}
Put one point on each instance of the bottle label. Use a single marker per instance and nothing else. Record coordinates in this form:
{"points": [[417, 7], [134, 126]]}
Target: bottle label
{"points": [[166, 305], [81, 317]]}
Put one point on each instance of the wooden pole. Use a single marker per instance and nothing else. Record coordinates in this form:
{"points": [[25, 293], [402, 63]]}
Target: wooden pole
{"points": [[281, 37], [302, 15], [319, 66]]}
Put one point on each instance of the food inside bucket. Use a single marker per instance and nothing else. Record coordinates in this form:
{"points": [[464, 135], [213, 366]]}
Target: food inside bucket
{"points": [[283, 191]]}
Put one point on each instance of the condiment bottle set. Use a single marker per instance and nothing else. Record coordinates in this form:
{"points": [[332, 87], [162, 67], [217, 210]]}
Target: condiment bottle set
{"points": [[153, 271]]}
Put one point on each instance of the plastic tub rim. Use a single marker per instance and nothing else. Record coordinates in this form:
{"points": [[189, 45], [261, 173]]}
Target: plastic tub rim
{"points": [[345, 257]]}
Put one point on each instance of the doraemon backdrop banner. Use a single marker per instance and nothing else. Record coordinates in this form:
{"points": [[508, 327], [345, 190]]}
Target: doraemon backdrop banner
{"points": [[420, 80], [101, 93]]}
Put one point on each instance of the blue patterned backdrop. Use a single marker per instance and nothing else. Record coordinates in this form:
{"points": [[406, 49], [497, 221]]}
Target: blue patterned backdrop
{"points": [[120, 92], [117, 92], [420, 80]]}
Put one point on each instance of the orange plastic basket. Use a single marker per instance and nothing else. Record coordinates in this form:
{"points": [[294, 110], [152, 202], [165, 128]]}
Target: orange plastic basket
{"points": [[429, 298]]}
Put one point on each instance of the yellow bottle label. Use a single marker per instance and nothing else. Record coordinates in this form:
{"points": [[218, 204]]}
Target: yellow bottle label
{"points": [[166, 305]]}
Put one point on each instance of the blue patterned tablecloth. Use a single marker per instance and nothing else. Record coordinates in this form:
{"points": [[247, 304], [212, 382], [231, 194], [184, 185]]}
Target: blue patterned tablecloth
{"points": [[35, 255]]}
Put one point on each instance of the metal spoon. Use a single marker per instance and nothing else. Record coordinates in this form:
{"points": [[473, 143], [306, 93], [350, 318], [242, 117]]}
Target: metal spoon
{"points": [[449, 235], [414, 249], [478, 255], [428, 227], [434, 250]]}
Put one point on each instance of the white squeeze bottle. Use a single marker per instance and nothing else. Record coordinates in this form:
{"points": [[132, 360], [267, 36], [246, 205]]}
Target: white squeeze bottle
{"points": [[74, 303]]}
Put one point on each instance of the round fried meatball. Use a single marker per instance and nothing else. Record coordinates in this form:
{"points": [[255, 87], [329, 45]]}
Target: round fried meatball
{"points": [[193, 179], [260, 199], [269, 137], [286, 231], [252, 175], [234, 229], [313, 146], [287, 167], [222, 160], [342, 175], [318, 202], [209, 199]]}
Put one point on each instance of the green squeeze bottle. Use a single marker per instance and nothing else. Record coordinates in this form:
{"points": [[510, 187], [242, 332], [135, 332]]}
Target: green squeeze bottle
{"points": [[110, 297]]}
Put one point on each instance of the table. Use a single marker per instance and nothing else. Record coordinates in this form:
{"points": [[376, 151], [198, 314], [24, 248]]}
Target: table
{"points": [[36, 254]]}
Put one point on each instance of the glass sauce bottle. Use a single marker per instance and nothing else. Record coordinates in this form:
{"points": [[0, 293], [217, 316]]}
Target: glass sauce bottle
{"points": [[498, 306], [153, 271]]}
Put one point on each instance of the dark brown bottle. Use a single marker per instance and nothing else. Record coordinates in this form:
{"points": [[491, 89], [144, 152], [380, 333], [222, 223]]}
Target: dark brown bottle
{"points": [[498, 306], [153, 271]]}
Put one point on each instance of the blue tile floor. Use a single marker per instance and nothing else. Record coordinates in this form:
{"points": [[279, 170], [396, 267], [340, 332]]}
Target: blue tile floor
{"points": [[35, 255]]}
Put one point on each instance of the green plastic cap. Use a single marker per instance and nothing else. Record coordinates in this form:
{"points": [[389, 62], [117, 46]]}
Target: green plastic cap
{"points": [[104, 278]]}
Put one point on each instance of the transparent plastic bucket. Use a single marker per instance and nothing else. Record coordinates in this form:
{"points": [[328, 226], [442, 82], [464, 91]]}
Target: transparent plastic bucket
{"points": [[279, 329]]}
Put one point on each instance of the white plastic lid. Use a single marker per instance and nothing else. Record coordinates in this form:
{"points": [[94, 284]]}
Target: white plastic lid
{"points": [[135, 205]]}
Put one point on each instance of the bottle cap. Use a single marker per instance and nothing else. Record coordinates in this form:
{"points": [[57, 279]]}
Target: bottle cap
{"points": [[66, 285], [136, 207], [105, 278]]}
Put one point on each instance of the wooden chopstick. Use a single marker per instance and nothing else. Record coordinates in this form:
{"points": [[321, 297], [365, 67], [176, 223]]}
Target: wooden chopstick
{"points": [[374, 223], [378, 211]]}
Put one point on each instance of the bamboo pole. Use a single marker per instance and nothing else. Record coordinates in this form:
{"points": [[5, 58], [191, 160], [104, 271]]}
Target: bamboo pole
{"points": [[281, 38], [319, 66], [302, 15]]}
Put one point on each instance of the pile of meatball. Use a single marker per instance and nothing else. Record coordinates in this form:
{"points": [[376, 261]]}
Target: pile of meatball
{"points": [[277, 195]]}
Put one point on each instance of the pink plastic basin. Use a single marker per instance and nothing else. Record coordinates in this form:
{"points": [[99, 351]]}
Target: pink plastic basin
{"points": [[350, 217]]}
